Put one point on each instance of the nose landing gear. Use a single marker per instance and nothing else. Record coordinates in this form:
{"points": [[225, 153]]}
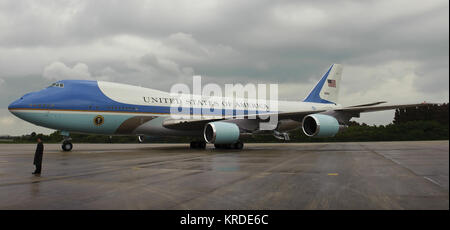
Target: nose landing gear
{"points": [[66, 146], [67, 142]]}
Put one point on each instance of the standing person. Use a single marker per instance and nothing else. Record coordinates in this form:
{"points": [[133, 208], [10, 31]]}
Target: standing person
{"points": [[38, 156]]}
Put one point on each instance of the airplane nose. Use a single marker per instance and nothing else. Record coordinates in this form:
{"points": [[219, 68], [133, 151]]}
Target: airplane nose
{"points": [[14, 104], [11, 106]]}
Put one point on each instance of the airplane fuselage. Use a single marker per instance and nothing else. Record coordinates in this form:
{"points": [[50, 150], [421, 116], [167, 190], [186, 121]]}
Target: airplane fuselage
{"points": [[120, 109]]}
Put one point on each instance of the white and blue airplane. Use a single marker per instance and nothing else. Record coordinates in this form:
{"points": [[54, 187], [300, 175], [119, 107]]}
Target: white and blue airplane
{"points": [[99, 107]]}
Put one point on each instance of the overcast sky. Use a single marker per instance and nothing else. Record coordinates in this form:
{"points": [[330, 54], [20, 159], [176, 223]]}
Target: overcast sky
{"points": [[396, 51]]}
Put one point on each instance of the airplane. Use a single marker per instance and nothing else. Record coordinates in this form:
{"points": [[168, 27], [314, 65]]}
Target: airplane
{"points": [[100, 107]]}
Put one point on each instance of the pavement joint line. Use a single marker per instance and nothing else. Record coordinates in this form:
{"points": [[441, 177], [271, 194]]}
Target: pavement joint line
{"points": [[403, 166], [432, 180]]}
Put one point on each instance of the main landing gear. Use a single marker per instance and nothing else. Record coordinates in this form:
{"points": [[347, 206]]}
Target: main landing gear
{"points": [[202, 145], [237, 145], [198, 145], [67, 142]]}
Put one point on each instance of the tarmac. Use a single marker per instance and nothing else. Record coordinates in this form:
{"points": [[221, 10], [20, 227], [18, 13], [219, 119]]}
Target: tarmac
{"points": [[330, 176]]}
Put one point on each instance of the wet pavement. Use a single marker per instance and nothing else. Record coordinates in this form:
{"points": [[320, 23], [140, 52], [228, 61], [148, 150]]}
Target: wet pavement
{"points": [[369, 175]]}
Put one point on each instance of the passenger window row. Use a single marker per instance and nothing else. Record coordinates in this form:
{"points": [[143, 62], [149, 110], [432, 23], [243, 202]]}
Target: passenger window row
{"points": [[42, 105], [120, 108]]}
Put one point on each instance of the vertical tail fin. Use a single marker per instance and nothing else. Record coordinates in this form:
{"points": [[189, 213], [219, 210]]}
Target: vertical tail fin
{"points": [[327, 89]]}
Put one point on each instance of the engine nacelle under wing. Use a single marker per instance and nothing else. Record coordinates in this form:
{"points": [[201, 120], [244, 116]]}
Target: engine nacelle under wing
{"points": [[320, 125], [220, 132]]}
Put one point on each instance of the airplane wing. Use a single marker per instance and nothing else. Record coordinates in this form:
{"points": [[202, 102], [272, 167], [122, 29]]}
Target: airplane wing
{"points": [[186, 124], [350, 111], [364, 108], [346, 113]]}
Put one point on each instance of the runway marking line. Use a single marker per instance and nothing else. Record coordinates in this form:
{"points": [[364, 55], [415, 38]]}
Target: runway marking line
{"points": [[333, 174]]}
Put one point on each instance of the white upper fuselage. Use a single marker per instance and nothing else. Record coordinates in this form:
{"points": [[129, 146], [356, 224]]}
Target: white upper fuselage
{"points": [[136, 95]]}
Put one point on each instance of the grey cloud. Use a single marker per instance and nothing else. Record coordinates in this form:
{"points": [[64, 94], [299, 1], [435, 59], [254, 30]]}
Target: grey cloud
{"points": [[59, 71]]}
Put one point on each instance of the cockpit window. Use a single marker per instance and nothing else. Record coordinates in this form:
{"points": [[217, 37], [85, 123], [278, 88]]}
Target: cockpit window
{"points": [[56, 84]]}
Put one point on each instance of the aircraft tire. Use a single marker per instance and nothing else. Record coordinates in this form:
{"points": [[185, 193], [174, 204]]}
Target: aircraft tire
{"points": [[238, 145], [67, 146], [198, 145]]}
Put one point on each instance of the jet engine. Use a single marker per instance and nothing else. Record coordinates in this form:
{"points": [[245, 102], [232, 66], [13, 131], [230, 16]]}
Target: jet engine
{"points": [[320, 125], [220, 132]]}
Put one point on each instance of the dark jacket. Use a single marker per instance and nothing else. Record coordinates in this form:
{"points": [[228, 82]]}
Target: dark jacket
{"points": [[38, 154]]}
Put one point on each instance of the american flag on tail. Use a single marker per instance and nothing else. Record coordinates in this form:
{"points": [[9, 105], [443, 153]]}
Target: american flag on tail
{"points": [[331, 83]]}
